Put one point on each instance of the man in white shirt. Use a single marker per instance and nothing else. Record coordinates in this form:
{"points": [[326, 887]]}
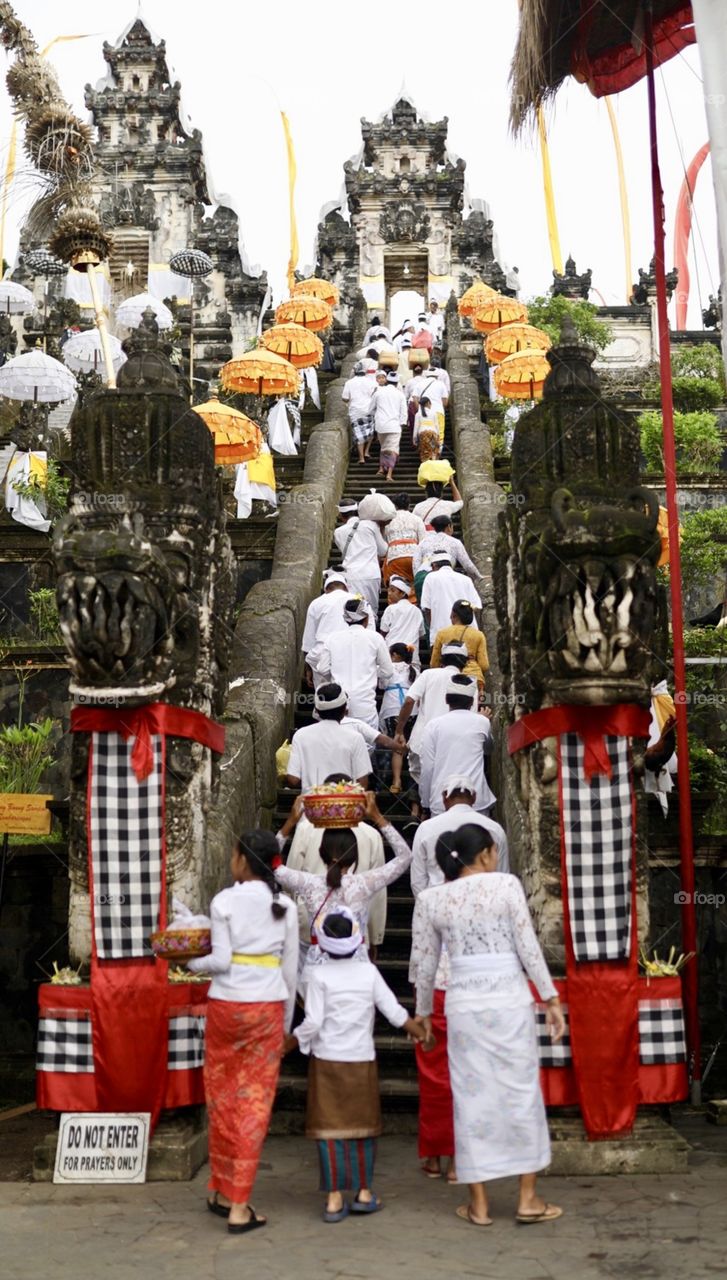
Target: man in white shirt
{"points": [[328, 746], [458, 798], [428, 695], [442, 587], [435, 322], [441, 538], [402, 622], [357, 659], [389, 409], [362, 548], [357, 394], [325, 614], [456, 743]]}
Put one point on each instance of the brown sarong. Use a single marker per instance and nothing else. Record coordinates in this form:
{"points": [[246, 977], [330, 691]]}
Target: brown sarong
{"points": [[343, 1100]]}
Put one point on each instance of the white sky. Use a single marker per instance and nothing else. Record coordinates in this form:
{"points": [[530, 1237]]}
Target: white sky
{"points": [[453, 58]]}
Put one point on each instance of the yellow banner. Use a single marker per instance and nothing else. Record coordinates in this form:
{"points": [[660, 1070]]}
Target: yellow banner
{"points": [[550, 213], [624, 197], [294, 247]]}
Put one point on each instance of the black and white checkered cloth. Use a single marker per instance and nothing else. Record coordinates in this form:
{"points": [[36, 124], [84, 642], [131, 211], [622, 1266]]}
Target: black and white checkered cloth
{"points": [[661, 1031], [597, 825], [64, 1044], [126, 847], [661, 1035], [186, 1042], [552, 1054]]}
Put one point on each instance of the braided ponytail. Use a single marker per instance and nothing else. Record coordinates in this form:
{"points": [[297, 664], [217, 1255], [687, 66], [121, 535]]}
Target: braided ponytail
{"points": [[261, 849]]}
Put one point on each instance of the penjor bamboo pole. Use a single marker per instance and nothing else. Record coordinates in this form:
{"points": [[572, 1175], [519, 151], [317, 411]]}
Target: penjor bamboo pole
{"points": [[101, 325]]}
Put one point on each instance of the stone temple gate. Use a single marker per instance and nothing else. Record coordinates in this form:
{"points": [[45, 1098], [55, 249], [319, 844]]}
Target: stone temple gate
{"points": [[406, 199]]}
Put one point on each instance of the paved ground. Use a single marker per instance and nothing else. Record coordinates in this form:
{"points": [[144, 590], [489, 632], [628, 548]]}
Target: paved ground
{"points": [[668, 1227]]}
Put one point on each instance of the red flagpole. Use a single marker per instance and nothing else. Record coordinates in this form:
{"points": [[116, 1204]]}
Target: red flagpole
{"points": [[686, 835]]}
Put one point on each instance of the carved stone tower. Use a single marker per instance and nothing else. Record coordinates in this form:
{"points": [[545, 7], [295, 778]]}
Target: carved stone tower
{"points": [[407, 232]]}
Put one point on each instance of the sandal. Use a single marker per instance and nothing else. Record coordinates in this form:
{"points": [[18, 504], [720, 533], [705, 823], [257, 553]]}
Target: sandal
{"points": [[548, 1214], [465, 1213], [239, 1228], [430, 1173], [367, 1206], [338, 1215], [214, 1206]]}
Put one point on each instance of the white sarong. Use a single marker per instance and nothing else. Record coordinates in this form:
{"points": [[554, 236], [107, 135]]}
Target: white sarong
{"points": [[500, 1126]]}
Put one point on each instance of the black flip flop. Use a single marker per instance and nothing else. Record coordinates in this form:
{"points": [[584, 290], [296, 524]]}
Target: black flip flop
{"points": [[222, 1211], [239, 1228]]}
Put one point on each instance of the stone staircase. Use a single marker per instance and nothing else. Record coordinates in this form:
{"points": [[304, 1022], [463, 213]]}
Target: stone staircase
{"points": [[397, 1068]]}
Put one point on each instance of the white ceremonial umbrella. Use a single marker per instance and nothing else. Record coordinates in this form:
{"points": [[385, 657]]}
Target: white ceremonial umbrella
{"points": [[84, 352], [131, 310], [37, 377], [15, 299]]}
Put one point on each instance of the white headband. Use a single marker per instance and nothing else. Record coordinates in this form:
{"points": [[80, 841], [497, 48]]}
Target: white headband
{"points": [[401, 584], [338, 946], [359, 613], [459, 782], [329, 704], [343, 507]]}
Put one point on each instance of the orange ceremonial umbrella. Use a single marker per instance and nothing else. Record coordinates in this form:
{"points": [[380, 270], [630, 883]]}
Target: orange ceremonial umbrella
{"points": [[237, 438], [315, 287], [297, 344], [514, 337], [313, 313], [521, 375], [497, 310], [476, 293], [260, 373]]}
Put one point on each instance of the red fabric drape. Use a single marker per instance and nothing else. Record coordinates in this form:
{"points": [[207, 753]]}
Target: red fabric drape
{"points": [[621, 64], [603, 1014], [682, 232]]}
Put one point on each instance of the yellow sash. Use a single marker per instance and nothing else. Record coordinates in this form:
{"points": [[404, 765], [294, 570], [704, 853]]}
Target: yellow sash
{"points": [[267, 962]]}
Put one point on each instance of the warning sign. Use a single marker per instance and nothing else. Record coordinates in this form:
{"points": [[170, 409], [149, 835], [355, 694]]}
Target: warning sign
{"points": [[96, 1147]]}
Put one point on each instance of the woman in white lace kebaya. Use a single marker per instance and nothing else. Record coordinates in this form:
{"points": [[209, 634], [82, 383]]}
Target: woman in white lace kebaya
{"points": [[341, 886], [480, 915]]}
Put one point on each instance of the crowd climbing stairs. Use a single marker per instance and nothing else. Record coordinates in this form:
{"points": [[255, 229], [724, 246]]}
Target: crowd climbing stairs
{"points": [[397, 1068]]}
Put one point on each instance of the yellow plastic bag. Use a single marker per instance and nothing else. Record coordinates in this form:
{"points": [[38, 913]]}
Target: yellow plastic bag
{"points": [[282, 758], [435, 470]]}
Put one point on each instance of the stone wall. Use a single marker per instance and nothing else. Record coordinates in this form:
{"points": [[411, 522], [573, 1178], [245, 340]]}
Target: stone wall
{"points": [[266, 666]]}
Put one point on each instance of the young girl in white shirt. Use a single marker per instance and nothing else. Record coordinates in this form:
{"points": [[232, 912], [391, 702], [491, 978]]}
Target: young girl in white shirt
{"points": [[343, 1107]]}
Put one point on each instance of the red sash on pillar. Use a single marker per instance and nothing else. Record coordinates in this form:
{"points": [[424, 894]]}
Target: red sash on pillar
{"points": [[602, 993]]}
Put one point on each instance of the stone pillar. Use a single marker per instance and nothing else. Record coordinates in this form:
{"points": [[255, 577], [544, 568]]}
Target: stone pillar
{"points": [[582, 618], [145, 594]]}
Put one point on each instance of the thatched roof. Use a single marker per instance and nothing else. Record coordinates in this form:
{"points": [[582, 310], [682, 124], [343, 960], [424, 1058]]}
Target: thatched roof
{"points": [[559, 38]]}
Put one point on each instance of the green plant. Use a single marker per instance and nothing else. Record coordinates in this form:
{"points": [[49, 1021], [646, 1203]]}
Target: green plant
{"points": [[703, 361], [548, 314], [25, 753], [51, 493], [704, 546], [699, 444], [705, 642], [707, 768], [44, 615], [692, 394]]}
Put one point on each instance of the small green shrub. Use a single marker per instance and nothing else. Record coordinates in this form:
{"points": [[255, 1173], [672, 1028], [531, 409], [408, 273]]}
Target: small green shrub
{"points": [[44, 615], [25, 753], [699, 444], [690, 395], [704, 547], [548, 314]]}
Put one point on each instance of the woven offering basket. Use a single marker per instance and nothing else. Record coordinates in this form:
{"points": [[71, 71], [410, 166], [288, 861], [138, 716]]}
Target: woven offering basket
{"points": [[334, 809], [181, 944]]}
